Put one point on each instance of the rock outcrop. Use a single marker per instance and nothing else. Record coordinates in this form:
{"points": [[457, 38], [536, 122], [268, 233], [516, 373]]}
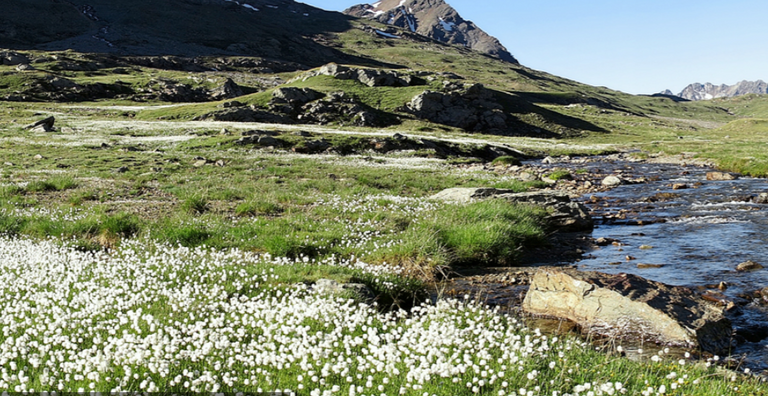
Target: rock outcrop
{"points": [[228, 90], [471, 107], [45, 124], [369, 77], [563, 213], [434, 19], [13, 58], [340, 107], [629, 306]]}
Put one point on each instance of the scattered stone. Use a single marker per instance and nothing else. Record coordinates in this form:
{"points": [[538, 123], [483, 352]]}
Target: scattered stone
{"points": [[721, 176], [13, 59], [548, 161], [38, 157], [200, 163], [229, 105], [294, 96], [612, 181], [722, 286], [646, 247], [679, 186], [748, 266], [762, 198], [46, 124], [604, 241], [228, 90], [369, 77], [715, 297], [258, 132], [268, 141], [8, 163], [220, 163], [649, 266], [527, 176], [224, 131], [629, 306], [25, 67], [359, 290]]}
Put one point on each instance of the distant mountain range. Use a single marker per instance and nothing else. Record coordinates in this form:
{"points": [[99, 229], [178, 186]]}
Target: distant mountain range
{"points": [[434, 19], [709, 91]]}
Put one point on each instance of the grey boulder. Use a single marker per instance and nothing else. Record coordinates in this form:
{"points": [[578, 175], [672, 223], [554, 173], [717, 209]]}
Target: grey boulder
{"points": [[629, 306]]}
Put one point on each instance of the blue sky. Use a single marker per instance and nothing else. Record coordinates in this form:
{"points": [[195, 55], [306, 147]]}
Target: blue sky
{"points": [[633, 46]]}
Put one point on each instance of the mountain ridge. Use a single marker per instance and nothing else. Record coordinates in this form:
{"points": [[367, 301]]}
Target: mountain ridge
{"points": [[435, 19], [707, 91], [275, 29]]}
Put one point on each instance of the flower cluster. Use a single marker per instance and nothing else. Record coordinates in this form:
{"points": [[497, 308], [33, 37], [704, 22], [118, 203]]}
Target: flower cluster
{"points": [[150, 317]]}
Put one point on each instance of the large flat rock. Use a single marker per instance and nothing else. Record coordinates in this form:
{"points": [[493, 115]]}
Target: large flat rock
{"points": [[629, 306]]}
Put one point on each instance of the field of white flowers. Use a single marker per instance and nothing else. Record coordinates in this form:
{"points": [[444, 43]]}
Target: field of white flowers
{"points": [[149, 317]]}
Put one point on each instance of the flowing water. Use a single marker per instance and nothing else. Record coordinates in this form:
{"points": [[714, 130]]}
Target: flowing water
{"points": [[693, 237]]}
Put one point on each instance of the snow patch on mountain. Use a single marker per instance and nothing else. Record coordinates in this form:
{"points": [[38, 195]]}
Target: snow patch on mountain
{"points": [[447, 26], [248, 6], [385, 34]]}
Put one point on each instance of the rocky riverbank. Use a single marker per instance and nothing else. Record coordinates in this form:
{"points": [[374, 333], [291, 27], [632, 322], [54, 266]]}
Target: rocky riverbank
{"points": [[629, 243]]}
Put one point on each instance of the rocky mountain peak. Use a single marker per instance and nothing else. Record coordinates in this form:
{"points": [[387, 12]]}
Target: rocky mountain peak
{"points": [[434, 19], [707, 91]]}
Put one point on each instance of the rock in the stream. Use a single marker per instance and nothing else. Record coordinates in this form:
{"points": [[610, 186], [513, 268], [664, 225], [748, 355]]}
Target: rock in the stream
{"points": [[626, 305], [748, 266], [720, 176], [612, 181], [762, 198], [563, 213]]}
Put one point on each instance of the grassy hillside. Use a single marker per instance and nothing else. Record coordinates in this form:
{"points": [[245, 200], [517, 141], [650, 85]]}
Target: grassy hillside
{"points": [[537, 104]]}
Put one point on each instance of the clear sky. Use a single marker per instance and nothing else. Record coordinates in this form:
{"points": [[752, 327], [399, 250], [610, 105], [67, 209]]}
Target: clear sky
{"points": [[635, 46]]}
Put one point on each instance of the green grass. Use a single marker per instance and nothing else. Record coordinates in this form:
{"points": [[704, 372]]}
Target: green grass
{"points": [[506, 160], [561, 174], [55, 183], [254, 208], [195, 204], [478, 234], [345, 207]]}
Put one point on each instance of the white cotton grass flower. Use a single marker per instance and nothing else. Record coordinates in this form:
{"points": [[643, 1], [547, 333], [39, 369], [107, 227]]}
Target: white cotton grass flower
{"points": [[150, 317]]}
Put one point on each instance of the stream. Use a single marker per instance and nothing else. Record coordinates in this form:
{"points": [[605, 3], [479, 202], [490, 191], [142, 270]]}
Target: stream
{"points": [[693, 235]]}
